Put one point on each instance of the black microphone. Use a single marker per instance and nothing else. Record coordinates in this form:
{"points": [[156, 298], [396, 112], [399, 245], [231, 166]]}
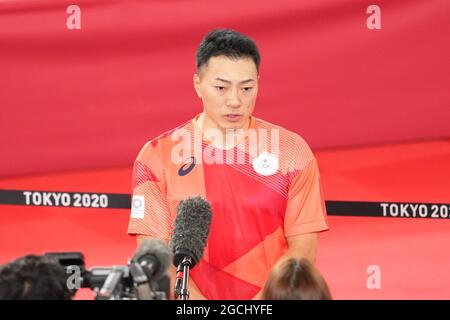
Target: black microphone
{"points": [[189, 238], [154, 257]]}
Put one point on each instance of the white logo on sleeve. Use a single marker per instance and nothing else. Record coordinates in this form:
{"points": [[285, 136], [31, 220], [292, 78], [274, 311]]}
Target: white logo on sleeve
{"points": [[266, 164], [138, 207]]}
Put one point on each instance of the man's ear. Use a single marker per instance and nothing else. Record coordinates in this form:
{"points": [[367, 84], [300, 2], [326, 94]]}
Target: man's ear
{"points": [[196, 80]]}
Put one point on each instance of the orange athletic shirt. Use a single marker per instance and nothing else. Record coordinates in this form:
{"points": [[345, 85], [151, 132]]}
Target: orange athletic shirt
{"points": [[258, 198]]}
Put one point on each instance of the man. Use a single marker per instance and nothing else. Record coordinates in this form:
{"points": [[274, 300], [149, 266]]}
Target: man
{"points": [[261, 180]]}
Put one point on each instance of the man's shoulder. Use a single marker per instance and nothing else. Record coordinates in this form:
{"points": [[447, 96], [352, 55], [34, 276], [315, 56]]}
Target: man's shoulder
{"points": [[165, 137], [283, 133], [158, 149], [293, 151]]}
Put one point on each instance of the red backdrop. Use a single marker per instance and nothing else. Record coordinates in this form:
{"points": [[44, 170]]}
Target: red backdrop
{"points": [[90, 98], [74, 99]]}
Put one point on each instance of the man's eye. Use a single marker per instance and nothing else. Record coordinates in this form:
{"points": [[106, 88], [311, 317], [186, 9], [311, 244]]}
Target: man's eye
{"points": [[247, 88], [220, 88]]}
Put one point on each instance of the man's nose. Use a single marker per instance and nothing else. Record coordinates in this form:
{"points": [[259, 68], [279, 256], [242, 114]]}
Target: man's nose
{"points": [[233, 100]]}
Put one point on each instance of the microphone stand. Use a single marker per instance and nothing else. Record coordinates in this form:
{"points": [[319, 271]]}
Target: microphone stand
{"points": [[178, 281], [184, 291]]}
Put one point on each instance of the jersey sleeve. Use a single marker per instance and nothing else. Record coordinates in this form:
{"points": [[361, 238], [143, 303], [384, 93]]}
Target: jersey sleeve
{"points": [[150, 215], [305, 211]]}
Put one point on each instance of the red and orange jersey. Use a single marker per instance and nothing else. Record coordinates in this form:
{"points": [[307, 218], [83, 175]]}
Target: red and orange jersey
{"points": [[261, 191]]}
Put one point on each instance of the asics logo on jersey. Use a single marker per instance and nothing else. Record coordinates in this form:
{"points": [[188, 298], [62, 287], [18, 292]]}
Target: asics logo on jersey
{"points": [[187, 166]]}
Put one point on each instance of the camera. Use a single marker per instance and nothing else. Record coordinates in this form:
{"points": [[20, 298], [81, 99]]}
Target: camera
{"points": [[119, 282]]}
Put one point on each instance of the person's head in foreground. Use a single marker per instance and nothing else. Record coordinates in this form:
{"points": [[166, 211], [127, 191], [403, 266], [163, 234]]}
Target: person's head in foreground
{"points": [[33, 277], [226, 79], [295, 279]]}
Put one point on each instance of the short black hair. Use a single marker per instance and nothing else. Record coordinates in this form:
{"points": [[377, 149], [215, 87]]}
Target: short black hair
{"points": [[229, 43], [34, 277]]}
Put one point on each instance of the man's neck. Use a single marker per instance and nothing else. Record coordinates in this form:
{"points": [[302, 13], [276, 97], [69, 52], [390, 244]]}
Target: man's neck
{"points": [[219, 137]]}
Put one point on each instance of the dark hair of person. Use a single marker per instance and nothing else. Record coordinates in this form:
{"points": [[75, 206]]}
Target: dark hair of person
{"points": [[228, 43], [33, 277], [294, 279]]}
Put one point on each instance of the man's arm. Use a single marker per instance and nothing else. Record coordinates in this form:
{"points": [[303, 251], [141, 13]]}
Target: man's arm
{"points": [[301, 246], [194, 292]]}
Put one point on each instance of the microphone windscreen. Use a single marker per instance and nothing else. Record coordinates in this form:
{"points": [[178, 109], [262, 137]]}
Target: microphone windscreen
{"points": [[191, 229], [154, 251]]}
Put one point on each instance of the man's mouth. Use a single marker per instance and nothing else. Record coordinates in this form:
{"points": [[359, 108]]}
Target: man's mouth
{"points": [[233, 117]]}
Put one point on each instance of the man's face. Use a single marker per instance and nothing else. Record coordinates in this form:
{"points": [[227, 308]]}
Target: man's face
{"points": [[228, 89]]}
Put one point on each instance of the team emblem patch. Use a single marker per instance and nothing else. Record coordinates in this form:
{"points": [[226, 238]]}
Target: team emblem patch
{"points": [[266, 164], [138, 207]]}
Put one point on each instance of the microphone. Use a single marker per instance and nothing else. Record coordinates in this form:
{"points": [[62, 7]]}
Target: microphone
{"points": [[189, 238], [113, 284], [154, 258]]}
